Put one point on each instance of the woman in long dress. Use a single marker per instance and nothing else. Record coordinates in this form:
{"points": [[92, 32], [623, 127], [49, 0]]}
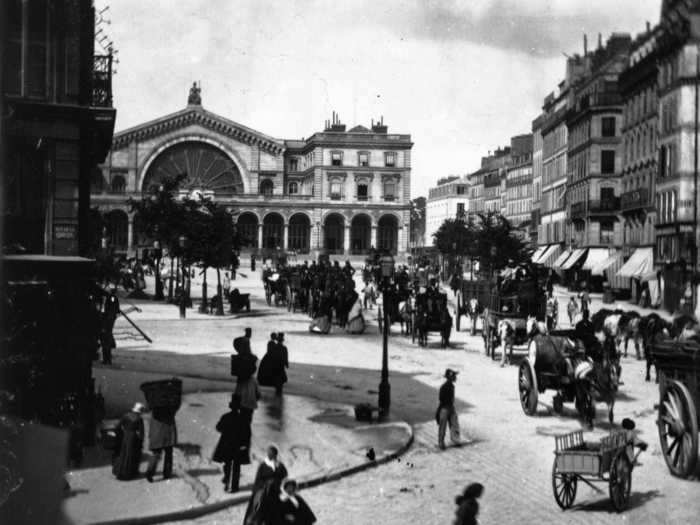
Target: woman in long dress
{"points": [[266, 488], [129, 444], [356, 321], [321, 324], [291, 507]]}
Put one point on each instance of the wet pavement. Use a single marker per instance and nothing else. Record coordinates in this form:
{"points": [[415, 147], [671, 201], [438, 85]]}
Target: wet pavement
{"points": [[316, 439]]}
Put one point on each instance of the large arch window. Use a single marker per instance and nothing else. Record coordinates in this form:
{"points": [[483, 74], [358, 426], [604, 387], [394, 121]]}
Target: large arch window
{"points": [[387, 234], [299, 228], [247, 229]]}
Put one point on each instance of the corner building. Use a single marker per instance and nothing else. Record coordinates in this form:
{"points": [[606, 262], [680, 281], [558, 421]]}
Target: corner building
{"points": [[339, 191]]}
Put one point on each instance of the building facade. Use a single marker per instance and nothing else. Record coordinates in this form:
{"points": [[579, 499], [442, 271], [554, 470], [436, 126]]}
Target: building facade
{"points": [[57, 123], [638, 88], [495, 180], [518, 184], [446, 201], [594, 154], [537, 145], [338, 191]]}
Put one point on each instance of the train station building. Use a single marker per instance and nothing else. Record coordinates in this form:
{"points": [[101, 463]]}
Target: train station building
{"points": [[339, 191]]}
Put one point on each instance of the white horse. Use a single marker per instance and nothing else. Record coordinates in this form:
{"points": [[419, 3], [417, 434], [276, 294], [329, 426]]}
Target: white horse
{"points": [[473, 312]]}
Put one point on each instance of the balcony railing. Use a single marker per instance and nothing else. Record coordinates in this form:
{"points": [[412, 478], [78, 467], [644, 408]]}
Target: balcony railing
{"points": [[389, 198], [595, 207], [336, 196], [635, 199], [102, 81]]}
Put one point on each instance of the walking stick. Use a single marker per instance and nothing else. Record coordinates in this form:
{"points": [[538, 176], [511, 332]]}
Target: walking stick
{"points": [[136, 327]]}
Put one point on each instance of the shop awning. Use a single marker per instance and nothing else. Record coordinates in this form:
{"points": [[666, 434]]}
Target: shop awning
{"points": [[595, 257], [600, 267], [561, 260], [550, 255], [538, 253], [640, 264], [573, 259]]}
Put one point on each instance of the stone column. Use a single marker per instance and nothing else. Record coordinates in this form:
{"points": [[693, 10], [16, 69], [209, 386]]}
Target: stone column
{"points": [[373, 238], [130, 236], [346, 239], [260, 236], [285, 246]]}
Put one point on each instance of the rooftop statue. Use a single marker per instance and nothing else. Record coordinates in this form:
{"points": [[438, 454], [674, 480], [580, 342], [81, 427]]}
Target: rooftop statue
{"points": [[195, 97]]}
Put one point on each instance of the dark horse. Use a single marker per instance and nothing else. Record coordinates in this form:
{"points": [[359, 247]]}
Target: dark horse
{"points": [[424, 325]]}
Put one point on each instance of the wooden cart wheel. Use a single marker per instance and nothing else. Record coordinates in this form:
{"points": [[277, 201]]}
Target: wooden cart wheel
{"points": [[620, 481], [564, 487], [459, 309], [268, 295], [558, 404], [527, 386], [678, 429]]}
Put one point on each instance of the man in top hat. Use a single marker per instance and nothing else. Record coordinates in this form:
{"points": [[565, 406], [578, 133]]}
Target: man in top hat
{"points": [[446, 413]]}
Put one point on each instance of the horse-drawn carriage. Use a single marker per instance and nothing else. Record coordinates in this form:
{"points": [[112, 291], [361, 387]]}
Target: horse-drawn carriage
{"points": [[471, 297], [275, 287], [400, 308], [296, 293], [678, 365], [431, 315]]}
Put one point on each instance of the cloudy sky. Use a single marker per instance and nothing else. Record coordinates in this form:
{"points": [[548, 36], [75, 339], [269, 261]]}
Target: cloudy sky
{"points": [[461, 76]]}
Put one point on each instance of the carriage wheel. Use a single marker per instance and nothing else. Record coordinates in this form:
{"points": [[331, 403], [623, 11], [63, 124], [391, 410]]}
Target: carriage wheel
{"points": [[620, 481], [558, 404], [487, 338], [459, 309], [268, 296], [564, 487], [527, 386], [585, 405], [413, 327], [678, 429], [290, 299]]}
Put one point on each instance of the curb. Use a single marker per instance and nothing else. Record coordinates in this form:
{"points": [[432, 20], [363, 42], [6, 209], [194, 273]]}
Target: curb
{"points": [[243, 497]]}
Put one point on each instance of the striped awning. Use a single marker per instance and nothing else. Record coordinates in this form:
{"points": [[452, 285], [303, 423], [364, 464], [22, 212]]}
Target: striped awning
{"points": [[600, 267], [552, 252], [594, 258], [574, 258], [538, 253], [561, 259], [639, 264]]}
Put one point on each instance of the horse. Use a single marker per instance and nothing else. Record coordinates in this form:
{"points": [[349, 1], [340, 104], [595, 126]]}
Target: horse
{"points": [[406, 310], [421, 327], [445, 328], [631, 331], [473, 311], [652, 327], [506, 335]]}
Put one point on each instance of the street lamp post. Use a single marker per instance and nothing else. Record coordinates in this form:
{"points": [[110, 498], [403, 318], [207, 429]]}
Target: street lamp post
{"points": [[158, 254], [387, 269], [183, 298]]}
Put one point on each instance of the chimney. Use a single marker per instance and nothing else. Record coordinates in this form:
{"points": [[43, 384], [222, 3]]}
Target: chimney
{"points": [[585, 44], [600, 40], [648, 27], [379, 126]]}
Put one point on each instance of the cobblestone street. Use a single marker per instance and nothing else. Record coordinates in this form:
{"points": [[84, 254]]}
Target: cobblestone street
{"points": [[507, 451]]}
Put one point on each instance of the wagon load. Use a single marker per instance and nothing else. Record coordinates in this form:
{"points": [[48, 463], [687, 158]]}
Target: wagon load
{"points": [[166, 393]]}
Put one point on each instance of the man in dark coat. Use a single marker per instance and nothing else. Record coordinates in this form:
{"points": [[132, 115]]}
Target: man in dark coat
{"points": [[242, 344], [162, 437], [291, 507], [233, 449], [446, 413], [110, 312], [272, 371]]}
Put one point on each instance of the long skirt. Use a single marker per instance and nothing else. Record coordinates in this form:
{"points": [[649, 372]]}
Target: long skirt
{"points": [[356, 325], [320, 325]]}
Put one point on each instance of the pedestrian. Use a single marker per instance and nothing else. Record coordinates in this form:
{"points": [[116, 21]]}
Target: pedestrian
{"points": [[356, 321], [291, 507], [273, 364], [129, 444], [252, 262], [467, 505], [572, 310], [234, 265], [110, 312], [242, 344], [446, 413], [233, 448], [551, 312], [162, 434], [266, 489], [227, 285], [585, 300]]}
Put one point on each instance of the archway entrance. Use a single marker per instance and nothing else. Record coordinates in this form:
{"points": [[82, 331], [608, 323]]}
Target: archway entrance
{"points": [[117, 228], [299, 227], [333, 233], [360, 234], [387, 233], [273, 224], [203, 168], [247, 229]]}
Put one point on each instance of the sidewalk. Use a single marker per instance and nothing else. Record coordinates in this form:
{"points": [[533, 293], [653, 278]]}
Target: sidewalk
{"points": [[318, 441]]}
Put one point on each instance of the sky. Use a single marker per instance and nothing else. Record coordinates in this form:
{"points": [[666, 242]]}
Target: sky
{"points": [[460, 76]]}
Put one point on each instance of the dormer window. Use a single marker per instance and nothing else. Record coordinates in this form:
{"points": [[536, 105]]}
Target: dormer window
{"points": [[337, 158], [363, 159], [390, 159]]}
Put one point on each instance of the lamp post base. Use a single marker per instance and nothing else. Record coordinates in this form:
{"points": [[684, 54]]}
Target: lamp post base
{"points": [[384, 399]]}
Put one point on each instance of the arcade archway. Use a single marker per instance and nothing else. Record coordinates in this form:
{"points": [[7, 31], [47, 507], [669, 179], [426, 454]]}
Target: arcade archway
{"points": [[117, 223], [273, 225], [247, 229], [360, 234], [333, 233], [299, 228], [388, 233]]}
